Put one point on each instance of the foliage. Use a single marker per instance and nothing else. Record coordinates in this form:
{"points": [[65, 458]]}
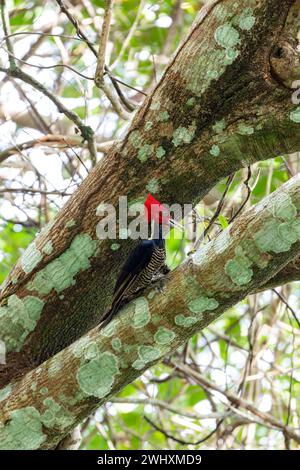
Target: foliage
{"points": [[252, 351]]}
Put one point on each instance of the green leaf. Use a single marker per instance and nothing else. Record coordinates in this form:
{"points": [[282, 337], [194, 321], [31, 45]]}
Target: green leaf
{"points": [[223, 221]]}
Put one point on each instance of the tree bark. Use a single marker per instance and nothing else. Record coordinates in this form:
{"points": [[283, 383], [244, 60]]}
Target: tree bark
{"points": [[44, 406], [223, 103]]}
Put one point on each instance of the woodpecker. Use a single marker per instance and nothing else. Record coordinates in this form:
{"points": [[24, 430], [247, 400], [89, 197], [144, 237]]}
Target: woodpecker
{"points": [[145, 262]]}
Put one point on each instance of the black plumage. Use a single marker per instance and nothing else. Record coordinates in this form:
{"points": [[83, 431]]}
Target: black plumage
{"points": [[146, 260]]}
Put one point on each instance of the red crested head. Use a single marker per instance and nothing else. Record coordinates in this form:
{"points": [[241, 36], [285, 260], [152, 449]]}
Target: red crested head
{"points": [[154, 210]]}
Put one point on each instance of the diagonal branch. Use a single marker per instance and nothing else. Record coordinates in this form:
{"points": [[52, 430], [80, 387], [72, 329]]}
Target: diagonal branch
{"points": [[103, 40], [54, 140], [214, 111], [80, 33], [86, 131], [57, 395]]}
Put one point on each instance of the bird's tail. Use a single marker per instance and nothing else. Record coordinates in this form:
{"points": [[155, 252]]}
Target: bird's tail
{"points": [[108, 316]]}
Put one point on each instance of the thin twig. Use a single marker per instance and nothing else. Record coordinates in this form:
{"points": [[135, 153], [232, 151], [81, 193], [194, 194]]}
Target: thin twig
{"points": [[289, 170], [100, 69], [80, 33], [181, 441], [53, 140], [168, 407], [237, 401], [6, 29], [32, 110], [34, 191], [284, 301], [246, 183], [40, 33], [216, 214], [86, 131], [46, 67], [108, 4]]}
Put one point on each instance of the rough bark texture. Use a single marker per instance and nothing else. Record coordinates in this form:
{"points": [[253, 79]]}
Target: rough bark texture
{"points": [[218, 107], [224, 102], [42, 408]]}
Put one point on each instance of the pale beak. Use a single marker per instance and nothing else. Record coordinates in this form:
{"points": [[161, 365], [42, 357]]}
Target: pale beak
{"points": [[175, 224]]}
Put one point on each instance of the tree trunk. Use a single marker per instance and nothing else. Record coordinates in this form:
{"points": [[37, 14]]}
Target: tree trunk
{"points": [[223, 103]]}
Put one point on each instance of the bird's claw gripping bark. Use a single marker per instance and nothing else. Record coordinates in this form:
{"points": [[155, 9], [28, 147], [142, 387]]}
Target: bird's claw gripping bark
{"points": [[159, 282]]}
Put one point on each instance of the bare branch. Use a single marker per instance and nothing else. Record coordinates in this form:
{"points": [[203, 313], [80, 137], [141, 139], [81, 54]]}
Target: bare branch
{"points": [[86, 131], [103, 41], [57, 141]]}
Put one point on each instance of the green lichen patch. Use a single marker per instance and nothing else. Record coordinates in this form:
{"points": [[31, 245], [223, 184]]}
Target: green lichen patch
{"points": [[31, 258], [186, 322], [290, 231], [227, 36], [91, 351], [191, 102], [81, 345], [251, 251], [55, 415], [295, 115], [145, 152], [247, 22], [160, 152], [283, 207], [115, 246], [231, 55], [215, 150], [153, 186], [155, 105], [219, 126], [60, 273], [96, 377], [109, 330], [23, 431], [244, 129], [141, 312], [184, 135], [220, 11], [271, 237], [135, 139], [138, 364], [148, 353], [238, 269], [71, 400], [202, 304], [148, 126], [17, 319], [116, 344], [164, 335], [163, 116]]}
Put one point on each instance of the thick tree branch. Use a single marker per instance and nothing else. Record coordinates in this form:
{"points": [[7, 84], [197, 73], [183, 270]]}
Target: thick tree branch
{"points": [[44, 406], [218, 107]]}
